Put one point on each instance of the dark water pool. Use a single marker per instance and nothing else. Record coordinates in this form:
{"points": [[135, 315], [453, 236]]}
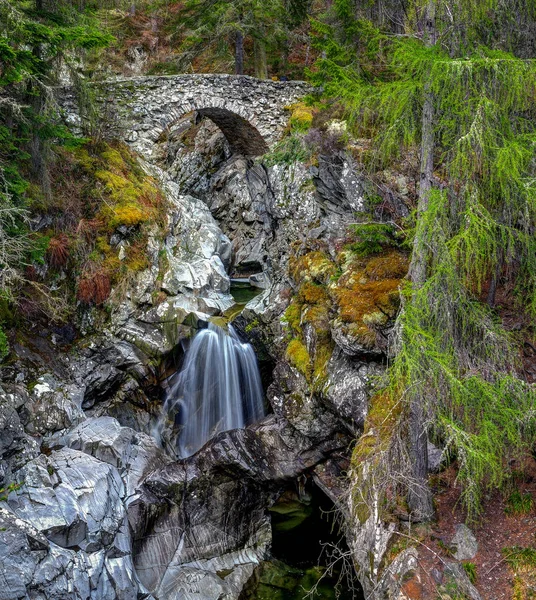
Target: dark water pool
{"points": [[306, 541]]}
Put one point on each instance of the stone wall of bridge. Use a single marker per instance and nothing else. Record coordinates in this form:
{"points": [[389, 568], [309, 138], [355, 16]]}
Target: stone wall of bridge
{"points": [[140, 110]]}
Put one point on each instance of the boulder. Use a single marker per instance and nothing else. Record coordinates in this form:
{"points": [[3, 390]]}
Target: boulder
{"points": [[464, 543], [74, 499]]}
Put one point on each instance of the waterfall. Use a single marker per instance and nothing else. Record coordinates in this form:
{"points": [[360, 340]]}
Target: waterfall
{"points": [[219, 388]]}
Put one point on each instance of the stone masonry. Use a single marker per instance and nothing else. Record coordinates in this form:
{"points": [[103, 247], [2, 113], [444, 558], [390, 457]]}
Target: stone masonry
{"points": [[141, 110]]}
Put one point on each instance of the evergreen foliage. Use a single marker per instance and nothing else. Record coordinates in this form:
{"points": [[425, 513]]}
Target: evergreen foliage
{"points": [[33, 43], [453, 356]]}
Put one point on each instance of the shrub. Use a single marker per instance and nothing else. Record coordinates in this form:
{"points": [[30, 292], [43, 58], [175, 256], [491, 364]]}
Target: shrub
{"points": [[518, 503], [301, 117], [372, 238], [58, 251], [94, 286], [286, 152], [470, 569]]}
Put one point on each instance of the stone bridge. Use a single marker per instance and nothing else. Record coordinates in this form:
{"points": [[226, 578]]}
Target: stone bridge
{"points": [[141, 110]]}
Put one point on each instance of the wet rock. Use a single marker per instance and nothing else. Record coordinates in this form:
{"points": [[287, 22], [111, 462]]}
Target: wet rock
{"points": [[16, 447], [53, 405], [259, 280], [337, 183], [464, 543], [74, 499], [133, 454], [348, 387], [292, 399], [208, 513], [351, 344], [33, 567]]}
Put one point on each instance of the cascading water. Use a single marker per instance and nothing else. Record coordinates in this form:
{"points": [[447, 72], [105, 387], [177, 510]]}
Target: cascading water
{"points": [[219, 388]]}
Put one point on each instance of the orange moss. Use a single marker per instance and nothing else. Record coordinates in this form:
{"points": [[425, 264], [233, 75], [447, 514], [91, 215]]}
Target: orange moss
{"points": [[367, 293], [317, 315], [392, 265], [313, 293], [137, 258], [314, 266]]}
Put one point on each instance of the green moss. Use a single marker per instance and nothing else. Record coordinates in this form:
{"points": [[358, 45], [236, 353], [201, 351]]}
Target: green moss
{"points": [[129, 214], [322, 357], [292, 316], [113, 158], [298, 356], [251, 325]]}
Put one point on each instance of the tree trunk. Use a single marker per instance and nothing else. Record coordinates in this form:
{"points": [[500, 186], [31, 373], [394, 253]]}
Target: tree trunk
{"points": [[239, 53], [419, 494], [261, 67]]}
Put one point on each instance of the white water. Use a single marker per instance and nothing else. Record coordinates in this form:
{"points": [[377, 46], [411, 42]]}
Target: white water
{"points": [[219, 388]]}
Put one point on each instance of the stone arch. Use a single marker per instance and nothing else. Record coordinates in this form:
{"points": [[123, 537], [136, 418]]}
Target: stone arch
{"points": [[238, 127]]}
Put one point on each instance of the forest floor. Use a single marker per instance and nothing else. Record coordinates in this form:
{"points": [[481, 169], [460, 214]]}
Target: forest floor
{"points": [[497, 531]]}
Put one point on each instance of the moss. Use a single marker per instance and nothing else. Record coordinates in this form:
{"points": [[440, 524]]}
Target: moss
{"points": [[129, 214], [301, 117], [313, 293], [298, 356], [113, 159], [137, 259], [318, 317], [314, 266], [102, 244], [85, 160], [320, 365], [292, 316], [393, 265], [367, 293], [251, 325]]}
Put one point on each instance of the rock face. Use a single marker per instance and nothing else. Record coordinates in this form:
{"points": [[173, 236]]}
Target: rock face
{"points": [[64, 529], [464, 543], [206, 515]]}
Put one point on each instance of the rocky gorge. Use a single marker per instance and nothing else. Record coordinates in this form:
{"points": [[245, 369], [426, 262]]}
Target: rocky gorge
{"points": [[94, 507]]}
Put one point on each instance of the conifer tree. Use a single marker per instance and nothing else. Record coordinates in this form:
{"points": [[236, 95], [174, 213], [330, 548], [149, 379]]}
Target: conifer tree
{"points": [[32, 42], [208, 23], [455, 88]]}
